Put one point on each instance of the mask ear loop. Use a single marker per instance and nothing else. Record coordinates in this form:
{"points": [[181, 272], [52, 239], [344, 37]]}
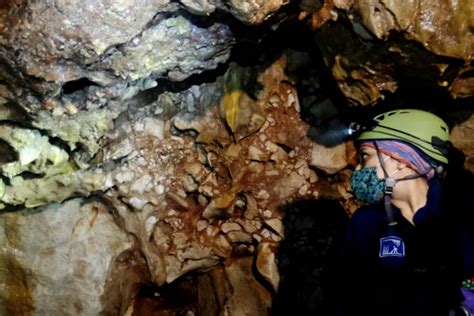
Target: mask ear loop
{"points": [[388, 189], [390, 184]]}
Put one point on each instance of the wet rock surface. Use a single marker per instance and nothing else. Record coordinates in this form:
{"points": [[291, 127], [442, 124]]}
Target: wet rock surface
{"points": [[443, 27], [390, 38], [461, 136]]}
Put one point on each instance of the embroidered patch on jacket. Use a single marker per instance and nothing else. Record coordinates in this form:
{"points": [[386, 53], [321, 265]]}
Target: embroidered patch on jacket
{"points": [[391, 247]]}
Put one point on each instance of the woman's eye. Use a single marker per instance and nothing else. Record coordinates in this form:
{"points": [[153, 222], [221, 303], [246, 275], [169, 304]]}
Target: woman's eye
{"points": [[363, 156]]}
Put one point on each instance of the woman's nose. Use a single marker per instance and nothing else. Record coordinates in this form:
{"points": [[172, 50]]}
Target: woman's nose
{"points": [[358, 167]]}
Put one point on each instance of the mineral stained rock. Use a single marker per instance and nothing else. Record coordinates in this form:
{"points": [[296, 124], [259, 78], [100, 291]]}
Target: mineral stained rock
{"points": [[173, 45], [68, 70], [369, 60], [248, 11], [461, 136], [56, 176], [249, 296], [56, 41], [443, 27], [194, 191], [57, 260]]}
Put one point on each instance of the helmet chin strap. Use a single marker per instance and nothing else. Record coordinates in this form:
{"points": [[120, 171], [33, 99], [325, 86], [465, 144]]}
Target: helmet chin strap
{"points": [[390, 184]]}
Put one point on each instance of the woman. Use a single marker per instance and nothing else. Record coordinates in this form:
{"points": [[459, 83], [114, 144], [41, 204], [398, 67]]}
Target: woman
{"points": [[397, 250]]}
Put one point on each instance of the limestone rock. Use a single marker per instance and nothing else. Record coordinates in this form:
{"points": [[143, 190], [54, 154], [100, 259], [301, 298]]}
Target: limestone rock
{"points": [[249, 297], [152, 53], [266, 264], [57, 260], [330, 160], [252, 12], [461, 137], [441, 26], [87, 57], [199, 7], [51, 39]]}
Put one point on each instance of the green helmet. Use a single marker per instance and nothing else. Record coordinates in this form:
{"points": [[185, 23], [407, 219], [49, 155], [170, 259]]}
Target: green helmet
{"points": [[422, 129]]}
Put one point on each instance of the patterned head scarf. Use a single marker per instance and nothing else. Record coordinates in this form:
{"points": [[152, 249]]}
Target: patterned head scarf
{"points": [[406, 154]]}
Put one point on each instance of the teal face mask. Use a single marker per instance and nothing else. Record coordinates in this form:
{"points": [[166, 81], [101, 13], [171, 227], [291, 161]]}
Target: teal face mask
{"points": [[366, 186]]}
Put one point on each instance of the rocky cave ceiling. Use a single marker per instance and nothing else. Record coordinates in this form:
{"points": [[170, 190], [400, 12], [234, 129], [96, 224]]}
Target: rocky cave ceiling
{"points": [[145, 141]]}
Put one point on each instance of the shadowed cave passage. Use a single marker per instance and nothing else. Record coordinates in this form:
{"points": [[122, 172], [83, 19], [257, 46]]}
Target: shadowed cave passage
{"points": [[179, 298], [312, 231]]}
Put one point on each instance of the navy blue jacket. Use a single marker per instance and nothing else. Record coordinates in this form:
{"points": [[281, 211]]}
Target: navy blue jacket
{"points": [[400, 270]]}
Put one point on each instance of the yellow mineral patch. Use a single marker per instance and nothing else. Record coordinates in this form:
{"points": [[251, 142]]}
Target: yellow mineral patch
{"points": [[231, 103], [18, 299]]}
